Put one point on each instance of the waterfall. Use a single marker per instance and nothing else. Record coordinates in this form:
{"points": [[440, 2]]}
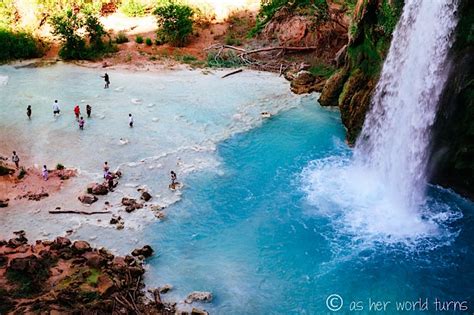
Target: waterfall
{"points": [[394, 142]]}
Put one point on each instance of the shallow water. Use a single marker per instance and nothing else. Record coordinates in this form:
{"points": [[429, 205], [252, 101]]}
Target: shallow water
{"points": [[275, 220]]}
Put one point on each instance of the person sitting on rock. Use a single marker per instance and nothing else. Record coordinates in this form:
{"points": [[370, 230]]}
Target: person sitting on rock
{"points": [[110, 180]]}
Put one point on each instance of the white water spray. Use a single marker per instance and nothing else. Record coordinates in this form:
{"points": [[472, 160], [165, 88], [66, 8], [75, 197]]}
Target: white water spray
{"points": [[394, 142], [379, 194]]}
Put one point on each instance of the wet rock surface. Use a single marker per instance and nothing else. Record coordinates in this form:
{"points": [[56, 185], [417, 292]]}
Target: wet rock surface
{"points": [[63, 277]]}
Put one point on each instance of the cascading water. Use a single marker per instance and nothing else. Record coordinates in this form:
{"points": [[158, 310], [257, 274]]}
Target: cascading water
{"points": [[395, 138], [379, 192]]}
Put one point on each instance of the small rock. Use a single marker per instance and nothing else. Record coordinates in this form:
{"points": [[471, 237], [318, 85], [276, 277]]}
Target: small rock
{"points": [[146, 196], [198, 311], [4, 203], [146, 251], [62, 242], [165, 288], [199, 296], [87, 199]]}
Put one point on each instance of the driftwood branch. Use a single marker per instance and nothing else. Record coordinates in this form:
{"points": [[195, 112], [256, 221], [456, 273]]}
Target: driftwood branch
{"points": [[78, 212], [231, 73]]}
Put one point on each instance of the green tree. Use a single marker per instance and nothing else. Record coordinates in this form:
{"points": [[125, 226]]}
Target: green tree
{"points": [[175, 23], [66, 26]]}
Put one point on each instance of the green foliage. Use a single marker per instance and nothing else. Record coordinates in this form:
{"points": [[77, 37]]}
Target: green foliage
{"points": [[133, 8], [93, 278], [365, 56], [7, 14], [139, 39], [59, 166], [66, 25], [268, 8], [18, 45], [148, 41], [388, 14], [231, 40], [465, 27], [121, 38], [175, 23], [223, 60], [322, 70]]}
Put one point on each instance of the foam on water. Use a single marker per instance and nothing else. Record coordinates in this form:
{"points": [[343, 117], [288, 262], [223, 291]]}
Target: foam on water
{"points": [[379, 193]]}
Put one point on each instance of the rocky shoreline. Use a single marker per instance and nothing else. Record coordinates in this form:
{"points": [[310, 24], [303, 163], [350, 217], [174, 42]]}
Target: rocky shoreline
{"points": [[65, 277]]}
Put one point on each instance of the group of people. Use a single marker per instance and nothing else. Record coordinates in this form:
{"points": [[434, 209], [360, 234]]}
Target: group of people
{"points": [[77, 109], [108, 175], [16, 160]]}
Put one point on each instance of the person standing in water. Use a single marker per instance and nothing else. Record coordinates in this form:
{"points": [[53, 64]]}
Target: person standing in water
{"points": [[28, 111], [81, 123], [16, 159], [107, 80], [130, 120], [77, 112], [44, 173], [88, 110], [56, 109], [106, 168]]}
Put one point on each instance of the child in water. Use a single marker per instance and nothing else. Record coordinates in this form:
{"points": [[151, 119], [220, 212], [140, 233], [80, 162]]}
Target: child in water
{"points": [[81, 123]]}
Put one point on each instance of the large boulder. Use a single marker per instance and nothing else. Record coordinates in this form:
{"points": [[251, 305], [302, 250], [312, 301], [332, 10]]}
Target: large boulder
{"points": [[61, 242], [94, 259], [201, 296], [98, 189], [81, 247]]}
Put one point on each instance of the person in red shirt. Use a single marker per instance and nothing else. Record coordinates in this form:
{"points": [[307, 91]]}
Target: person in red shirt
{"points": [[77, 111]]}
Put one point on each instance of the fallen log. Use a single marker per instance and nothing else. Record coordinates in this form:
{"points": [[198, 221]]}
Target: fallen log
{"points": [[77, 212], [231, 73]]}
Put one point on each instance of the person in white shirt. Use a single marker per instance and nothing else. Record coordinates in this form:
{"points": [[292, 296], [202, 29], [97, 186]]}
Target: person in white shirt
{"points": [[56, 109], [130, 120]]}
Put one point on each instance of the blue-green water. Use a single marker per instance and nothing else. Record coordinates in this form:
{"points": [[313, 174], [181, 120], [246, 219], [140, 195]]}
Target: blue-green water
{"points": [[252, 235]]}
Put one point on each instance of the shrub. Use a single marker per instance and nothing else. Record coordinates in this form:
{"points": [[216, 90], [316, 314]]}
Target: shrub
{"points": [[22, 173], [121, 38], [175, 23], [139, 40], [133, 8], [18, 45], [148, 41], [322, 70], [59, 166], [268, 8], [224, 60], [66, 25]]}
